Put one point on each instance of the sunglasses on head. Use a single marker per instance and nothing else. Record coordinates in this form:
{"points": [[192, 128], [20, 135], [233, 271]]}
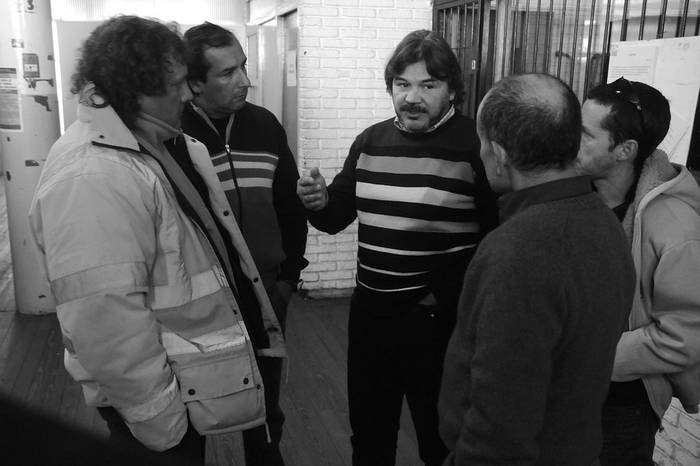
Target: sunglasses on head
{"points": [[624, 90]]}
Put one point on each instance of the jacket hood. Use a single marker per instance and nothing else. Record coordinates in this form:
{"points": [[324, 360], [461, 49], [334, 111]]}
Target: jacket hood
{"points": [[659, 176]]}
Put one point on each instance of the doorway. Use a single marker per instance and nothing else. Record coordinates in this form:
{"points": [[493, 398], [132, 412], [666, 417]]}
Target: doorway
{"points": [[290, 24]]}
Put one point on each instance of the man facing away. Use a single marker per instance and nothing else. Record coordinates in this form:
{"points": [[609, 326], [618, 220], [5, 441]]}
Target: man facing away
{"points": [[418, 189], [258, 173], [157, 295], [545, 297], [658, 204]]}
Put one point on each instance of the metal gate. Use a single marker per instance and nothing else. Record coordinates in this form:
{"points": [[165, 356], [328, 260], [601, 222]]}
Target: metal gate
{"points": [[569, 39], [459, 22]]}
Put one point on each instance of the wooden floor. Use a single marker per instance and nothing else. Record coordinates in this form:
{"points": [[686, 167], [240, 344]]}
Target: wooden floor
{"points": [[314, 397]]}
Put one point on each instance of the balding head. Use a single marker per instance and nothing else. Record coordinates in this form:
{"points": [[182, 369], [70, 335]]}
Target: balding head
{"points": [[535, 118]]}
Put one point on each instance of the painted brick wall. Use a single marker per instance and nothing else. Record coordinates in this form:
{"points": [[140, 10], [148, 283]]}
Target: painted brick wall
{"points": [[343, 48], [679, 442]]}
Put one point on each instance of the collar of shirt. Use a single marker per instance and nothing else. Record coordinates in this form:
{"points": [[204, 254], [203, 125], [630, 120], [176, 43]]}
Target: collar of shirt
{"points": [[450, 113], [514, 202]]}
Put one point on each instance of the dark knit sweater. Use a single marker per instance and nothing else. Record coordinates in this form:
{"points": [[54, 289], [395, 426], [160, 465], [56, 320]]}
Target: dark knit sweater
{"points": [[422, 201], [263, 193], [545, 300]]}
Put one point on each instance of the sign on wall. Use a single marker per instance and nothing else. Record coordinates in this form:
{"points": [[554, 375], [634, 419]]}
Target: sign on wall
{"points": [[10, 108]]}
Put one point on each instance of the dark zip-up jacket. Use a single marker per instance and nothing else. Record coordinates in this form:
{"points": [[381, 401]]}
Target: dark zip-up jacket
{"points": [[258, 173]]}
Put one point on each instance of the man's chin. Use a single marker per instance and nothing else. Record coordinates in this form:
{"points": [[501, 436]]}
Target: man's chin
{"points": [[415, 124], [579, 168], [237, 104]]}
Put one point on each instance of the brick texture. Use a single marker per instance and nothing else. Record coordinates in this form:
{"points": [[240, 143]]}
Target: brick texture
{"points": [[678, 444], [343, 48]]}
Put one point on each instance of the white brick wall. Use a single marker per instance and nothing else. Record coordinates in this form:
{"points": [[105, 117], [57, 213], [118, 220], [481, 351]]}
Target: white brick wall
{"points": [[679, 442], [343, 48]]}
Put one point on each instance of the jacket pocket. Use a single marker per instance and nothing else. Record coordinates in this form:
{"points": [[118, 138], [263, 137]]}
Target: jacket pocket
{"points": [[222, 389]]}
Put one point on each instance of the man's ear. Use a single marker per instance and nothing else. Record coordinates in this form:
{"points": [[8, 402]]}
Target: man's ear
{"points": [[501, 157], [627, 150]]}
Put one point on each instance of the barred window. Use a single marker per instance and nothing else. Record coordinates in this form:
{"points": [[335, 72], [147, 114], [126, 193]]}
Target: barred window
{"points": [[569, 39]]}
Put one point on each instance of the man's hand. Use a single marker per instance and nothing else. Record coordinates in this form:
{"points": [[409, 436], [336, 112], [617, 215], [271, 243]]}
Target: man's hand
{"points": [[311, 189]]}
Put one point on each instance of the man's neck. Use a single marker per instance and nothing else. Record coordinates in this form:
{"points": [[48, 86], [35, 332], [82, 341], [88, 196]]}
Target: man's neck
{"points": [[153, 130], [521, 180], [614, 187], [210, 112]]}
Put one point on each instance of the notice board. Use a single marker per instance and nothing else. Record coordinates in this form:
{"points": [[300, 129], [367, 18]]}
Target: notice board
{"points": [[673, 67]]}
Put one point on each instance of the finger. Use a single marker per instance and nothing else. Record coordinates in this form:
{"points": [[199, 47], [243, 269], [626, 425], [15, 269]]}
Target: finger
{"points": [[312, 197], [317, 205], [311, 189], [306, 180]]}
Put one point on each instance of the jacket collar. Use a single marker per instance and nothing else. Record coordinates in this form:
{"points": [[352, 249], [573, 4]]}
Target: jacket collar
{"points": [[199, 111], [660, 175], [517, 201], [106, 128]]}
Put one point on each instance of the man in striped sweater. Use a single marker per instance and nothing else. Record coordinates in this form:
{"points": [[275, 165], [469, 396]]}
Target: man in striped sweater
{"points": [[418, 189]]}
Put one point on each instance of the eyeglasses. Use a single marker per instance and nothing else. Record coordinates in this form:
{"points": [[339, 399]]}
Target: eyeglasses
{"points": [[624, 90]]}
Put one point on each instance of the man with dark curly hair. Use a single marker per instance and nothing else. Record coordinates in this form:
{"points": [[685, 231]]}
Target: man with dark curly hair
{"points": [[419, 191], [158, 297]]}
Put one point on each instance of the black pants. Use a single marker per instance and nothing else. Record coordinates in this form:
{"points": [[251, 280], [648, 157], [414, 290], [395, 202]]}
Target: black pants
{"points": [[258, 451], [394, 353], [190, 450], [629, 435]]}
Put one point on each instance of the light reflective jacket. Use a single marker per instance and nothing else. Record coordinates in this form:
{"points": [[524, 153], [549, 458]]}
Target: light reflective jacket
{"points": [[140, 293]]}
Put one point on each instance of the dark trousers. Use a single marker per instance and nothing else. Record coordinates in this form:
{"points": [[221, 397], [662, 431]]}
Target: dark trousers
{"points": [[258, 451], [629, 435], [394, 353], [190, 450]]}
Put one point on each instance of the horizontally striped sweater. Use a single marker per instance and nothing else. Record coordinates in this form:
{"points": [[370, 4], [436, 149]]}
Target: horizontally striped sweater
{"points": [[258, 173], [422, 201]]}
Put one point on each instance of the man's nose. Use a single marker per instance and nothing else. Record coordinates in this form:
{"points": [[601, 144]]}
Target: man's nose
{"points": [[413, 95], [243, 79]]}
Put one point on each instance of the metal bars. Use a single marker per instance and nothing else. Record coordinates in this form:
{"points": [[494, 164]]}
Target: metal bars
{"points": [[591, 22], [565, 38]]}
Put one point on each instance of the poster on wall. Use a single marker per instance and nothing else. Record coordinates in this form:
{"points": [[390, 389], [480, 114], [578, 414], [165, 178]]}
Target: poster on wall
{"points": [[673, 67], [10, 108]]}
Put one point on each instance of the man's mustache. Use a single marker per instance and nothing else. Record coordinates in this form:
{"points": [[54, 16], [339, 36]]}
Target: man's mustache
{"points": [[413, 108]]}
